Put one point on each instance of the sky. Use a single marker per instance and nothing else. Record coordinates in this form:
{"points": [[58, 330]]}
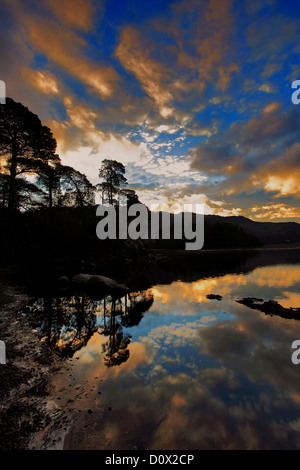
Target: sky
{"points": [[192, 96]]}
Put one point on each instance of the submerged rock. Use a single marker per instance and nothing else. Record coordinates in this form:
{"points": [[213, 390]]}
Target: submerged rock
{"points": [[97, 282], [63, 281], [81, 279], [249, 301], [270, 307], [214, 297], [101, 281], [119, 290]]}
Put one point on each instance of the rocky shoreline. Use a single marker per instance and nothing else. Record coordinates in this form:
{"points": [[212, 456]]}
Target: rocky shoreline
{"points": [[29, 418], [25, 377]]}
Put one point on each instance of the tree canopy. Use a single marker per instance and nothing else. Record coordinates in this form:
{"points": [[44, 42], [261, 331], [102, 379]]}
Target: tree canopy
{"points": [[32, 174], [28, 148], [24, 143], [112, 173]]}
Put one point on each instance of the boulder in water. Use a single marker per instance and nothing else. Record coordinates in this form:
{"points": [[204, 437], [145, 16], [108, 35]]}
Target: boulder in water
{"points": [[63, 281], [101, 283], [81, 279]]}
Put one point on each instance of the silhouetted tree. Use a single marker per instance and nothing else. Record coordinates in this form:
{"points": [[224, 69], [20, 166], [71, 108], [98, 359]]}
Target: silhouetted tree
{"points": [[49, 180], [23, 142], [76, 188], [112, 174], [4, 189], [130, 194]]}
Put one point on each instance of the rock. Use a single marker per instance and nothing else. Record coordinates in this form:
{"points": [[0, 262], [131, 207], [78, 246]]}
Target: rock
{"points": [[249, 301], [119, 290], [270, 307], [163, 260], [63, 281], [214, 297], [101, 282], [51, 405], [81, 279]]}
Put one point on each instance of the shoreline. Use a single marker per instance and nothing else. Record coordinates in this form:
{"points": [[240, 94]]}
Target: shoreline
{"points": [[25, 378], [274, 247]]}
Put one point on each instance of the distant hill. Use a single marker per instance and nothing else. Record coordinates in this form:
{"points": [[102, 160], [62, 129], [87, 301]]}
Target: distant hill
{"points": [[71, 232], [237, 232], [266, 232]]}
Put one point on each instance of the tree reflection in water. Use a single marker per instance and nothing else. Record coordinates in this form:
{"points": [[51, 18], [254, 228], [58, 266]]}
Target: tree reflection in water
{"points": [[130, 314], [68, 323]]}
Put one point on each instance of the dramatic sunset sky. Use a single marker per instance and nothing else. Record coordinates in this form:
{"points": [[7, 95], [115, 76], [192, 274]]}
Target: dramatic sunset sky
{"points": [[192, 96]]}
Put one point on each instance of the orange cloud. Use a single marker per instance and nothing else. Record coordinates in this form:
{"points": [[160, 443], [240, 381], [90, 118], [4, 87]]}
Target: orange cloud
{"points": [[66, 48], [283, 174], [134, 57], [80, 116], [202, 52], [258, 154], [272, 107], [274, 211], [44, 81], [269, 124], [78, 13], [213, 40]]}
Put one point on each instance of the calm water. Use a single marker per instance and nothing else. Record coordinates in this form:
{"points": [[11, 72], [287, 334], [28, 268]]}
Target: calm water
{"points": [[171, 369]]}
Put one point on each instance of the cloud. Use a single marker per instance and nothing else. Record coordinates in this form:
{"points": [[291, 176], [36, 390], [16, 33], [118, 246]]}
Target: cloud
{"points": [[42, 80], [189, 60], [274, 38], [205, 48], [215, 25], [66, 48], [83, 144], [282, 175], [261, 152], [88, 158], [135, 57], [196, 82], [77, 13], [270, 108], [267, 88], [265, 129], [274, 212]]}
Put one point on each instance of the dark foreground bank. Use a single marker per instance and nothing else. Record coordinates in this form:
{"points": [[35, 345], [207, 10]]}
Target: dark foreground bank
{"points": [[25, 376]]}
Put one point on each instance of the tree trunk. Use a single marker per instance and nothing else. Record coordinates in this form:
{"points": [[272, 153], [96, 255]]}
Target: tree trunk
{"points": [[50, 193], [12, 196]]}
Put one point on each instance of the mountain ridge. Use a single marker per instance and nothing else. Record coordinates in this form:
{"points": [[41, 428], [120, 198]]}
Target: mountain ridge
{"points": [[266, 232]]}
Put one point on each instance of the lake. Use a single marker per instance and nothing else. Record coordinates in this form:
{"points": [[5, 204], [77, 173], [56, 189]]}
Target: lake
{"points": [[170, 368]]}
